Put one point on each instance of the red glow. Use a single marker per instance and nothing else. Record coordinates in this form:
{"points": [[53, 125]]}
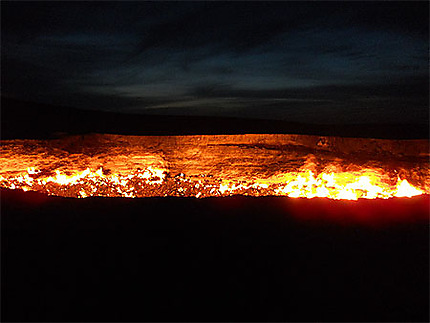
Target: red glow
{"points": [[370, 212]]}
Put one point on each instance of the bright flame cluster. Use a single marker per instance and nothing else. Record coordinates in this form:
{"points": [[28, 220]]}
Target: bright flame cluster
{"points": [[86, 183], [153, 181], [337, 186]]}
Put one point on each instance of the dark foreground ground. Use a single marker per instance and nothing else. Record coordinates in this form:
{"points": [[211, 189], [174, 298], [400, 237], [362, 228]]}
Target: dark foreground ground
{"points": [[216, 259]]}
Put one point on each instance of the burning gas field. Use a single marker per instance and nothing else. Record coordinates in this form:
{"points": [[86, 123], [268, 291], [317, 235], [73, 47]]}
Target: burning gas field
{"points": [[217, 165], [199, 161]]}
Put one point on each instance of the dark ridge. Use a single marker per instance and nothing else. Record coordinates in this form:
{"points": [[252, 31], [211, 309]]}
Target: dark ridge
{"points": [[27, 120]]}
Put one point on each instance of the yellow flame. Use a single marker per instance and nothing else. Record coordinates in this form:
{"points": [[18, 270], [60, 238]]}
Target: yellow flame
{"points": [[338, 186], [404, 189], [153, 182]]}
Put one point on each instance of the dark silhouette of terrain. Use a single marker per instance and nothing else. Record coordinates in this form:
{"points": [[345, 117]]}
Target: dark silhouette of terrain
{"points": [[27, 120], [218, 259]]}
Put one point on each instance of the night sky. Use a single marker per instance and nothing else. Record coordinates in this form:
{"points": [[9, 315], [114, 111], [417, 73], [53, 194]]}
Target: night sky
{"points": [[314, 62]]}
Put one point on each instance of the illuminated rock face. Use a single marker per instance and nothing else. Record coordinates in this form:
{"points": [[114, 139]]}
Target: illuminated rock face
{"points": [[217, 165]]}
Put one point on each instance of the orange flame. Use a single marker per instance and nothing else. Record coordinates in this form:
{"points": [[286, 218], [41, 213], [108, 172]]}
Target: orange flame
{"points": [[156, 182], [204, 166]]}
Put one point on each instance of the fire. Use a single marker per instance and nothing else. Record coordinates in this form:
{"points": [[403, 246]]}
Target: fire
{"points": [[404, 189], [337, 186], [85, 183], [157, 182], [204, 166]]}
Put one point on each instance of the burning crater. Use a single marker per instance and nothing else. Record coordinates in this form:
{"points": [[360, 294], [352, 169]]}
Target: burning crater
{"points": [[217, 165]]}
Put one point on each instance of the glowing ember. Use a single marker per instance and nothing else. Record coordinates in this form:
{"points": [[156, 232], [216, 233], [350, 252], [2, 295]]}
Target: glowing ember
{"points": [[174, 168]]}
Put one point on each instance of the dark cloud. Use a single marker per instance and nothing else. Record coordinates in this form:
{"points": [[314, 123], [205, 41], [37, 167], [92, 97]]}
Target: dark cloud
{"points": [[416, 89], [237, 26], [261, 59]]}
